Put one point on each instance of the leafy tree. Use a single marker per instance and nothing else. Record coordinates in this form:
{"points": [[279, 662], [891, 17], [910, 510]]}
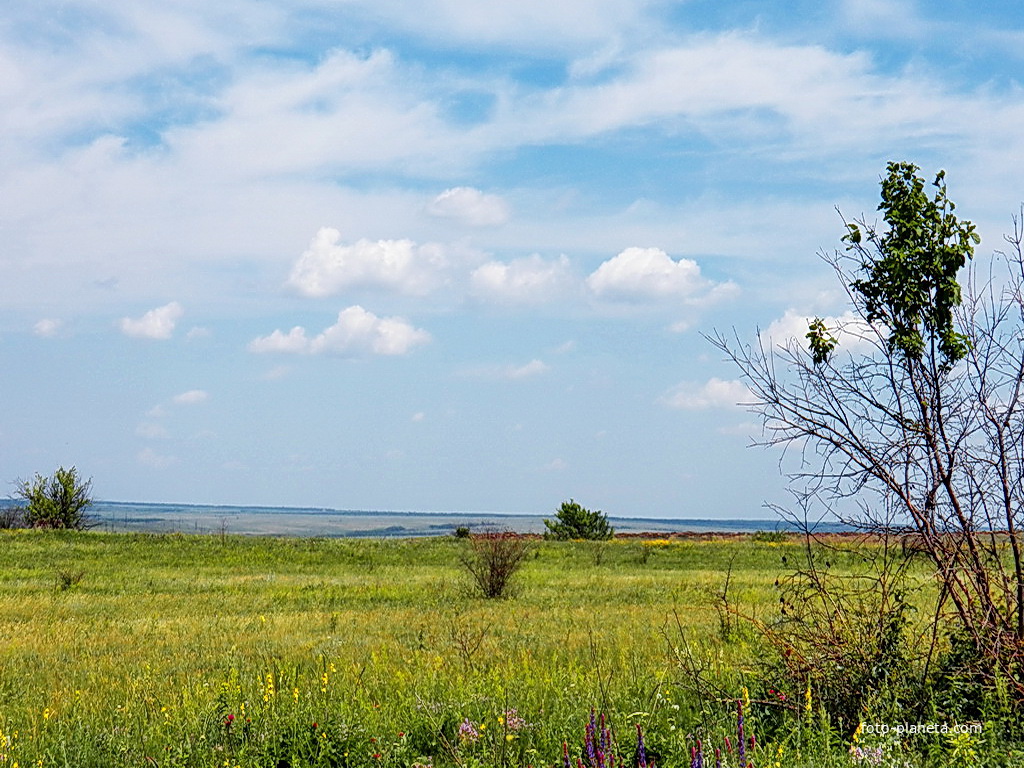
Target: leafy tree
{"points": [[576, 522], [58, 501], [918, 427]]}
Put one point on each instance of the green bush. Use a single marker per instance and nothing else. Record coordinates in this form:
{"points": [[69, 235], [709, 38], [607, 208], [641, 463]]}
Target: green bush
{"points": [[58, 501], [576, 522]]}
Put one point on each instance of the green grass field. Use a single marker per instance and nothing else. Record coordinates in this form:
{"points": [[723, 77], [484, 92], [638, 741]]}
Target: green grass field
{"points": [[175, 650]]}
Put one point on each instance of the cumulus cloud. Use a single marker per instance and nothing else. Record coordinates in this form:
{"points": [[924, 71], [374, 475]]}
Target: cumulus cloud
{"points": [[156, 324], [715, 393], [850, 331], [329, 266], [650, 273], [530, 280], [356, 332], [47, 327], [469, 206], [192, 397]]}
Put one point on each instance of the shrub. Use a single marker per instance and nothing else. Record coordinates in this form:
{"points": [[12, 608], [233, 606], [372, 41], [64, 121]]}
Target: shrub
{"points": [[492, 559], [576, 522], [67, 578], [462, 532], [58, 501], [12, 517]]}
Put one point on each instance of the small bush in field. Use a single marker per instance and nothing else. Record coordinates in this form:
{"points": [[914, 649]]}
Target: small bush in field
{"points": [[492, 559], [58, 501], [573, 521]]}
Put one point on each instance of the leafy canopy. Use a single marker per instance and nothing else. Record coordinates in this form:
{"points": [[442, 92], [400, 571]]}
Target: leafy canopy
{"points": [[576, 522], [909, 284], [58, 501]]}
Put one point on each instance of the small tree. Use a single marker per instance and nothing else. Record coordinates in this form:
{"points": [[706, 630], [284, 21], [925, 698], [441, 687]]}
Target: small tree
{"points": [[576, 522], [919, 426], [492, 559], [58, 501]]}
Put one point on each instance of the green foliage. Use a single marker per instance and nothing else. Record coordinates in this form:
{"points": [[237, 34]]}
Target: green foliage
{"points": [[910, 284], [461, 532], [821, 341], [576, 522], [58, 501]]}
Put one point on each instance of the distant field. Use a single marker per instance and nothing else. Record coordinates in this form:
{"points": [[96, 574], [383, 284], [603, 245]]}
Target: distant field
{"points": [[299, 521], [224, 650]]}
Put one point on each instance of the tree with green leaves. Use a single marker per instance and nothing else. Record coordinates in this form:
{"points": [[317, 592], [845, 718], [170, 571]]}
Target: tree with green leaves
{"points": [[57, 501], [910, 418], [575, 522]]}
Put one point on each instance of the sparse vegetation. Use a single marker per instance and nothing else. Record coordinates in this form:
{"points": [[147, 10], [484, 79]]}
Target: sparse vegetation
{"points": [[492, 559]]}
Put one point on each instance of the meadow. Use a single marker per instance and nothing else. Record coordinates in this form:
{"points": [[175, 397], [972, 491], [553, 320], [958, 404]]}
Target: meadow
{"points": [[221, 650]]}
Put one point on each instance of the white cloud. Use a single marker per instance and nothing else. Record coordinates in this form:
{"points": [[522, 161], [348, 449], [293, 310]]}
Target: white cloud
{"points": [[470, 206], [150, 458], [715, 393], [508, 372], [355, 333], [419, 416], [192, 397], [532, 368], [650, 273], [156, 324], [329, 267], [293, 342], [850, 331], [152, 431], [47, 327], [531, 280]]}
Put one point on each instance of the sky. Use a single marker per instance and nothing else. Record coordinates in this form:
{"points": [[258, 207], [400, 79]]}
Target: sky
{"points": [[448, 255]]}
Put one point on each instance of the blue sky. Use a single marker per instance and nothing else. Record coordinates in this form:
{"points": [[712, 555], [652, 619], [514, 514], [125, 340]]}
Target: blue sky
{"points": [[452, 255]]}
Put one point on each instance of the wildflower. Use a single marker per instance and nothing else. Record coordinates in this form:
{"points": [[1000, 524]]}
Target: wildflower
{"points": [[807, 696], [468, 731], [641, 751], [513, 721]]}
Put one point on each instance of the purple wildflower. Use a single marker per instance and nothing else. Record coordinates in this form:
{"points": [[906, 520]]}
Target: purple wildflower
{"points": [[513, 721], [566, 763], [641, 751], [468, 731]]}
